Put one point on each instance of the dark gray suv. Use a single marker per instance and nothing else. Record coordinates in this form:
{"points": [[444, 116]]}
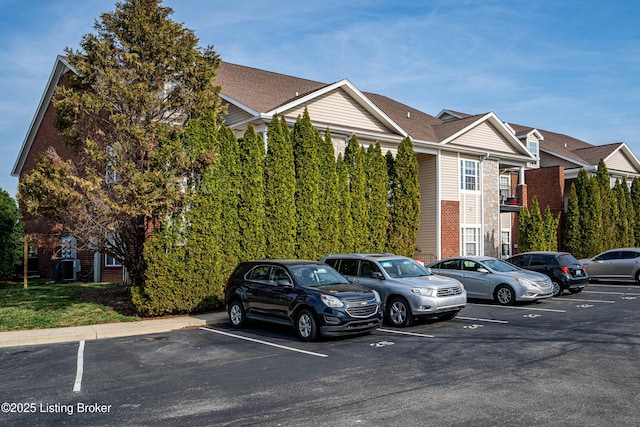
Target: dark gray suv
{"points": [[308, 295], [407, 289]]}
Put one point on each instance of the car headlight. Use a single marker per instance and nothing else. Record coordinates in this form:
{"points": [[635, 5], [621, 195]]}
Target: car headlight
{"points": [[425, 292], [331, 301], [377, 295], [526, 282]]}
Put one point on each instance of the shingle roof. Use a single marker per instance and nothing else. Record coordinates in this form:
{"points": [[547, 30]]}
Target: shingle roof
{"points": [[261, 90], [264, 91]]}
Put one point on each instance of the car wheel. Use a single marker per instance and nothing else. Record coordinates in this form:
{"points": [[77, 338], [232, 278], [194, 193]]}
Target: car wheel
{"points": [[557, 289], [399, 313], [306, 325], [448, 316], [237, 315], [504, 295]]}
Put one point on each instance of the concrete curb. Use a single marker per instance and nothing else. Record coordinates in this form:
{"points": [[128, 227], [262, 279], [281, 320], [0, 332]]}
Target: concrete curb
{"points": [[108, 330]]}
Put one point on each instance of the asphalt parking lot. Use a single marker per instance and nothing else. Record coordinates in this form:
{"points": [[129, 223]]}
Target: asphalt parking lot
{"points": [[565, 361]]}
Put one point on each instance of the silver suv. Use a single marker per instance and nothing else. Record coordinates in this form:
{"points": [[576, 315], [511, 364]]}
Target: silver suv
{"points": [[407, 289]]}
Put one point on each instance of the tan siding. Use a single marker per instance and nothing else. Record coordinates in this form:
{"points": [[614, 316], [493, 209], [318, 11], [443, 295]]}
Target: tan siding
{"points": [[547, 160], [486, 137], [619, 161], [470, 208], [426, 241], [235, 115], [449, 176], [340, 109]]}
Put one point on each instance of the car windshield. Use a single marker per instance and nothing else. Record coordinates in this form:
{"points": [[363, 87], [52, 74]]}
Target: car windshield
{"points": [[403, 267], [317, 275], [500, 266]]}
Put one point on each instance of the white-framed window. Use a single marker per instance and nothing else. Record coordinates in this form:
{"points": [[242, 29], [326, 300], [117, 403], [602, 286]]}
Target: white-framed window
{"points": [[505, 243], [470, 240], [110, 261], [505, 187], [533, 147], [469, 175]]}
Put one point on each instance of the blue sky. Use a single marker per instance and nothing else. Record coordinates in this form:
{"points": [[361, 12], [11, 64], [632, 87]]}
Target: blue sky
{"points": [[571, 67]]}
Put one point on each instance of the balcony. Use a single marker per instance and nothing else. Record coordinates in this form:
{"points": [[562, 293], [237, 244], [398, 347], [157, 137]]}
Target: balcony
{"points": [[508, 202]]}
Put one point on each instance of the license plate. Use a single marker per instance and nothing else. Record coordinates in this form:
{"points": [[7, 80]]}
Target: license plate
{"points": [[578, 272]]}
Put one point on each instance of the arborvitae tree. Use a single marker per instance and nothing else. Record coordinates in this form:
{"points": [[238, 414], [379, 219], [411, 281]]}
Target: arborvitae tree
{"points": [[11, 233], [625, 231], [635, 207], [391, 171], [280, 190], [328, 217], [610, 216], [184, 257], [591, 213], [630, 213], [354, 161], [251, 195], [305, 153], [531, 231], [138, 79], [377, 197], [404, 205], [550, 225], [227, 177], [571, 234], [345, 223]]}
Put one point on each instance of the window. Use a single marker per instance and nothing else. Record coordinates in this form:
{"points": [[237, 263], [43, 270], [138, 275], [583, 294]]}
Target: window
{"points": [[470, 241], [505, 187], [506, 243], [110, 261], [469, 175], [349, 267], [368, 267], [533, 147]]}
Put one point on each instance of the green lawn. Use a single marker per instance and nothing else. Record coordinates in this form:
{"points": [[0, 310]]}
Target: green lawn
{"points": [[53, 305]]}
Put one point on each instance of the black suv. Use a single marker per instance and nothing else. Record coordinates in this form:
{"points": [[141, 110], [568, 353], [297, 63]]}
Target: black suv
{"points": [[308, 295], [563, 269]]}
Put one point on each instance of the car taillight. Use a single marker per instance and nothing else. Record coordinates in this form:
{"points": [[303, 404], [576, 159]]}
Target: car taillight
{"points": [[226, 284], [565, 270]]}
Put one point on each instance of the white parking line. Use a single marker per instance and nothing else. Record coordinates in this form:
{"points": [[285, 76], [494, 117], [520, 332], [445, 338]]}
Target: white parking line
{"points": [[611, 293], [79, 368], [481, 320], [521, 308], [264, 342], [392, 331], [591, 300]]}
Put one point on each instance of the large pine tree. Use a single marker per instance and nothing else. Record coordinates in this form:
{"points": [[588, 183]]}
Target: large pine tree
{"points": [[138, 79]]}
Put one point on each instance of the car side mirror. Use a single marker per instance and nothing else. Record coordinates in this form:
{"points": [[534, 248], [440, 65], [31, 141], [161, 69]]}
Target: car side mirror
{"points": [[482, 270], [284, 282], [377, 275]]}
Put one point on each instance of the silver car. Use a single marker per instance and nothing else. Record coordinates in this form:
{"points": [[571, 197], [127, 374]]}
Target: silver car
{"points": [[491, 278], [614, 264], [407, 289]]}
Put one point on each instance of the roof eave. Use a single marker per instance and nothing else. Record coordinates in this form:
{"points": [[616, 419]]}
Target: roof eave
{"points": [[60, 67]]}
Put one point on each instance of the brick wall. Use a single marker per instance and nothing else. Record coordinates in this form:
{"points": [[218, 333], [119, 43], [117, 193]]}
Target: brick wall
{"points": [[450, 228], [547, 184]]}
